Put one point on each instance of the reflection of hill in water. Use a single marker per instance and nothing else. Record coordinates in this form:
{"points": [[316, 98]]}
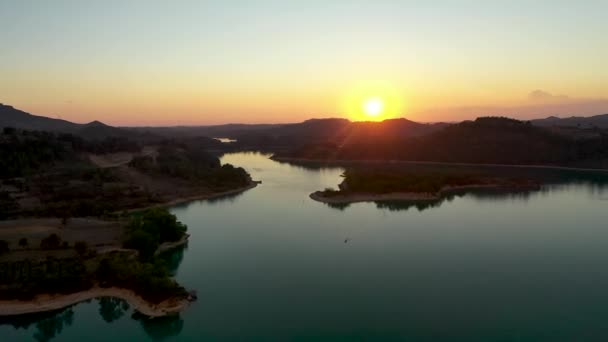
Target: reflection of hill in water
{"points": [[597, 185], [48, 324], [161, 328]]}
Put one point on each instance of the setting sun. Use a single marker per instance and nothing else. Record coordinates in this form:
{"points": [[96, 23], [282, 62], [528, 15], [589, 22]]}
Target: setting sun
{"points": [[373, 106], [374, 101]]}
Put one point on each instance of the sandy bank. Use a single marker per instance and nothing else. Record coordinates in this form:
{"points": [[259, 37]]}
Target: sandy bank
{"points": [[365, 197], [44, 303]]}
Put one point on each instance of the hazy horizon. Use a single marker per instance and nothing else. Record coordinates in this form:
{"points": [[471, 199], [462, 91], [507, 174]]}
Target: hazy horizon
{"points": [[131, 63]]}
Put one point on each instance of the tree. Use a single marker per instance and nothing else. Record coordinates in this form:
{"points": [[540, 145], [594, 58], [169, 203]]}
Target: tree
{"points": [[112, 309], [4, 247], [81, 247], [23, 243], [53, 241], [143, 242]]}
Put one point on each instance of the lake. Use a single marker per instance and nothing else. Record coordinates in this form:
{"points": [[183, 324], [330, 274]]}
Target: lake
{"points": [[271, 264]]}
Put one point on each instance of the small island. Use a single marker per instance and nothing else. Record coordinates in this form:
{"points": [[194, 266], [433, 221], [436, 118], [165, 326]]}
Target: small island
{"points": [[397, 184]]}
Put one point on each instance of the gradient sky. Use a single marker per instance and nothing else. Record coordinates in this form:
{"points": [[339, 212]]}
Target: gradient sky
{"points": [[207, 62]]}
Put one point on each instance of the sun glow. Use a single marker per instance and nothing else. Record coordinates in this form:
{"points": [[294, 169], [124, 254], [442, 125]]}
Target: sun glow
{"points": [[373, 102], [373, 106]]}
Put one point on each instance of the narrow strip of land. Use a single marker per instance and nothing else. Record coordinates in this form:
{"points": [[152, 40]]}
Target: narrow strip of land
{"points": [[341, 197], [46, 302], [339, 162]]}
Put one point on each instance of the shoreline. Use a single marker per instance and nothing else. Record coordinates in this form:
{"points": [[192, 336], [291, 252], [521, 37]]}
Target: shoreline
{"points": [[46, 302], [342, 162], [181, 200], [167, 246], [359, 197]]}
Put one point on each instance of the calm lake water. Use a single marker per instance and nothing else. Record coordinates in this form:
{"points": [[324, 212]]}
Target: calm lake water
{"points": [[273, 265]]}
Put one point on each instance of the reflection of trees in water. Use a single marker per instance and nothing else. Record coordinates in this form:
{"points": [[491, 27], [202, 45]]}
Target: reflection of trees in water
{"points": [[339, 206], [160, 328], [406, 205], [311, 165], [51, 327], [48, 324], [478, 194], [173, 258], [112, 309], [214, 200], [226, 198], [421, 205]]}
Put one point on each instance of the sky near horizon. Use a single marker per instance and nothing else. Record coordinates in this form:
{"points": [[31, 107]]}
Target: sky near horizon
{"points": [[211, 62]]}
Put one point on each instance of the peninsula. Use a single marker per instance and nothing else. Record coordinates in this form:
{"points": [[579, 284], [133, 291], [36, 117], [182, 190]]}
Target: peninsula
{"points": [[82, 218], [398, 184]]}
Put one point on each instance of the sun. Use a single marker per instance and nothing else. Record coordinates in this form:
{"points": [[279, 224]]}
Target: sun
{"points": [[373, 107], [373, 101]]}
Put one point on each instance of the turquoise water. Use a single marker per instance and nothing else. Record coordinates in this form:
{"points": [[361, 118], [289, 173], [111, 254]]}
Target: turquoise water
{"points": [[271, 264]]}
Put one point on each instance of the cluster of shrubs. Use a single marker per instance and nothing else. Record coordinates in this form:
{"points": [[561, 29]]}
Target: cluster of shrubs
{"points": [[147, 230], [192, 163], [50, 242], [379, 181], [150, 279]]}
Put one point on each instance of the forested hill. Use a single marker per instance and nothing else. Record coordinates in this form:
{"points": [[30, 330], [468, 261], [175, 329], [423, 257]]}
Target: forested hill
{"points": [[332, 130], [25, 152], [485, 140], [15, 118], [597, 121]]}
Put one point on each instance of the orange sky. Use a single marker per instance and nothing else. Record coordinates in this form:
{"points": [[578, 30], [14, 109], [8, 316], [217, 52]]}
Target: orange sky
{"points": [[270, 61]]}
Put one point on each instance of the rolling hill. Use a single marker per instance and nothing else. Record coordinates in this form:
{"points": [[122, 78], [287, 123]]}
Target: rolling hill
{"points": [[597, 121], [12, 117]]}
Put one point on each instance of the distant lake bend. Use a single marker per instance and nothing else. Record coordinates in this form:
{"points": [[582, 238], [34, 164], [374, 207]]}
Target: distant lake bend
{"points": [[272, 264]]}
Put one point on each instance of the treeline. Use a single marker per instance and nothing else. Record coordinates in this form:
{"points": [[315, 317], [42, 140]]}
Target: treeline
{"points": [[488, 140], [379, 181], [26, 152], [83, 192], [148, 275], [191, 162]]}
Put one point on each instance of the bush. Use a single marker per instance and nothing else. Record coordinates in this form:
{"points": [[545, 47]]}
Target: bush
{"points": [[53, 241], [23, 243], [4, 247], [143, 242], [81, 247], [151, 228]]}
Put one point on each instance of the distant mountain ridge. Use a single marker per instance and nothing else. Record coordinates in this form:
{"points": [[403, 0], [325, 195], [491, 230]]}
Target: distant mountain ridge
{"points": [[12, 117], [486, 140], [596, 121]]}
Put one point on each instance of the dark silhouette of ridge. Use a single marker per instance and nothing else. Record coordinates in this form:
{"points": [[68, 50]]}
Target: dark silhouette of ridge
{"points": [[488, 140], [12, 117], [597, 121], [15, 118]]}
